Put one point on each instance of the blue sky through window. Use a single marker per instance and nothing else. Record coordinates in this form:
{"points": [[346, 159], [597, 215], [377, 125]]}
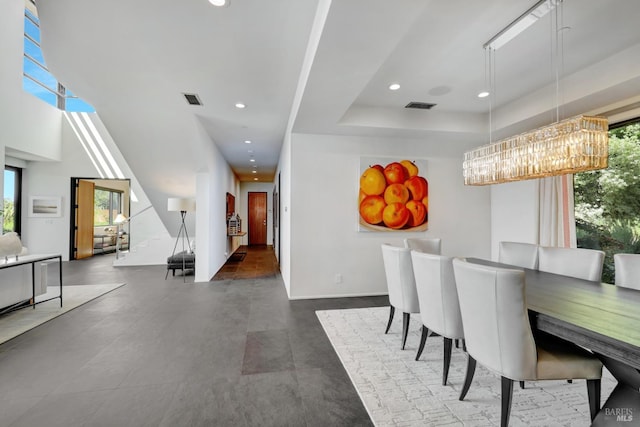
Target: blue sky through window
{"points": [[32, 50], [9, 184]]}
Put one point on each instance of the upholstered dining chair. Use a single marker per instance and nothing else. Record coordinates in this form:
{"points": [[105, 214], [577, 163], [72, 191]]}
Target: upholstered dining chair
{"points": [[401, 285], [428, 246], [438, 300], [519, 254], [580, 263], [627, 270], [498, 335]]}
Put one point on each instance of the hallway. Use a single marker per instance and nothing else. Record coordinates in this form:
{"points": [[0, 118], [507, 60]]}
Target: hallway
{"points": [[161, 352]]}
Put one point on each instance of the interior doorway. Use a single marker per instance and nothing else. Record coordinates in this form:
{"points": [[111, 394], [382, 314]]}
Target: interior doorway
{"points": [[95, 206], [257, 207]]}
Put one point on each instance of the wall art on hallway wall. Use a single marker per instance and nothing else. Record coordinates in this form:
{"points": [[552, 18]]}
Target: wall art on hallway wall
{"points": [[393, 194]]}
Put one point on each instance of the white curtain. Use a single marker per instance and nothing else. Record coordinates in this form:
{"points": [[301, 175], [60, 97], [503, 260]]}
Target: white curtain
{"points": [[557, 218]]}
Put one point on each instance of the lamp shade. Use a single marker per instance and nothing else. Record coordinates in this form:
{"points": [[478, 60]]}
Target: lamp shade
{"points": [[180, 204], [120, 219]]}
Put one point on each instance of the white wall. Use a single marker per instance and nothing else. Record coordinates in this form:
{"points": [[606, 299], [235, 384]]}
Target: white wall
{"points": [[284, 170], [514, 213], [324, 240], [213, 182]]}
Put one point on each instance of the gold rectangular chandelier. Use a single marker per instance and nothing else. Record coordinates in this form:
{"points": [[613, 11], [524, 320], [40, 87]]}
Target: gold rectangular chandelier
{"points": [[573, 145]]}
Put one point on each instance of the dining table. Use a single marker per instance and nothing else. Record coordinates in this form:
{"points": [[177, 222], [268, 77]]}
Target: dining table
{"points": [[600, 317]]}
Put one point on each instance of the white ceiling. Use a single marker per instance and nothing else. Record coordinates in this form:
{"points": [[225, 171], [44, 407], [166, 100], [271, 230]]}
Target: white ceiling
{"points": [[133, 59]]}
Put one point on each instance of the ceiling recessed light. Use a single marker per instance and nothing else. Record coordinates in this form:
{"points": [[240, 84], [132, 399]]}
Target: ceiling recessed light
{"points": [[219, 3], [252, 160], [240, 105], [247, 142], [483, 94], [394, 86], [255, 179], [254, 171]]}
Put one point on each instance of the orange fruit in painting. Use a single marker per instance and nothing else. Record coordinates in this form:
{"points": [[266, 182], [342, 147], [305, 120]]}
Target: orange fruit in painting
{"points": [[396, 193], [372, 182], [411, 167], [371, 209], [395, 173], [418, 213], [425, 202], [418, 187], [395, 215], [361, 196]]}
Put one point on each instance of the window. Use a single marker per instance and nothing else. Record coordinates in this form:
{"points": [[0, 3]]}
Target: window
{"points": [[36, 78], [607, 202], [12, 199], [107, 204]]}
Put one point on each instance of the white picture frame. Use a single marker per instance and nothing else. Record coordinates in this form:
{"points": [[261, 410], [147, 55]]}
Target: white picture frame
{"points": [[45, 206]]}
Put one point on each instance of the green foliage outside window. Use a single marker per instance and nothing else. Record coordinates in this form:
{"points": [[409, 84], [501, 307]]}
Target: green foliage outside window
{"points": [[106, 205], [8, 216], [607, 202]]}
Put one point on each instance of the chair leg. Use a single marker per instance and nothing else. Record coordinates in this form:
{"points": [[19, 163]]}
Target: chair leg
{"points": [[446, 360], [593, 392], [391, 313], [405, 327], [423, 341], [522, 385], [464, 345], [507, 395], [471, 368]]}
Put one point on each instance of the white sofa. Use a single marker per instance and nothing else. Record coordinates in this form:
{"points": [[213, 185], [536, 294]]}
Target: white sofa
{"points": [[15, 282]]}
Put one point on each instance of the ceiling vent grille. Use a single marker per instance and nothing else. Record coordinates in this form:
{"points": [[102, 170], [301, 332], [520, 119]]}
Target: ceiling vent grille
{"points": [[192, 98], [420, 105]]}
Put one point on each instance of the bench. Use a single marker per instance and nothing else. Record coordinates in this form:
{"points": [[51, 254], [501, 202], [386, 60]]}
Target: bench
{"points": [[180, 261]]}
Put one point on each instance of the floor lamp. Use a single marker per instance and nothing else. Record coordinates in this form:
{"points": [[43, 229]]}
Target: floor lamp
{"points": [[119, 221], [182, 205]]}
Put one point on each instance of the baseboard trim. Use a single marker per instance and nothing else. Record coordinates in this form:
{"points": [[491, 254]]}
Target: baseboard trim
{"points": [[368, 294]]}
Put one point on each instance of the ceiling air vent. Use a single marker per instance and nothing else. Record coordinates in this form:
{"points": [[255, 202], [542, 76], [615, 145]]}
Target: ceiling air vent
{"points": [[420, 105], [192, 98]]}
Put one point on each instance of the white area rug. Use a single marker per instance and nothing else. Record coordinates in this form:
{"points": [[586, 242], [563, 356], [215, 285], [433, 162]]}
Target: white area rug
{"points": [[18, 322], [399, 391]]}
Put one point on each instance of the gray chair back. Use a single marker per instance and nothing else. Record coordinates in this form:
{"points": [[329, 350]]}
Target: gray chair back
{"points": [[437, 295], [428, 246], [400, 281], [495, 319], [627, 270], [518, 254], [580, 263]]}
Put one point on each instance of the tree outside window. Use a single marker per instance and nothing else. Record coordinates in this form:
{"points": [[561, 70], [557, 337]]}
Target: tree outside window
{"points": [[607, 201], [106, 206]]}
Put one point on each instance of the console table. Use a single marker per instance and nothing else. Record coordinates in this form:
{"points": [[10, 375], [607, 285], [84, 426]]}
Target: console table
{"points": [[238, 253], [33, 260]]}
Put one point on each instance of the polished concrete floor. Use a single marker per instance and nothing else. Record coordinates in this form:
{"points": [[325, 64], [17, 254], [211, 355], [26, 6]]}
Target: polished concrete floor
{"points": [[230, 352]]}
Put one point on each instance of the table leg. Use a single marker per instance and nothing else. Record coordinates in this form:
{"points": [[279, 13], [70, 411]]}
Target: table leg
{"points": [[622, 408]]}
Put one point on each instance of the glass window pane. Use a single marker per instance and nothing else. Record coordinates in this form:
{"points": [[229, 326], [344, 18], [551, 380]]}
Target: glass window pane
{"points": [[607, 201], [37, 90], [39, 74], [9, 222], [77, 105], [101, 201], [34, 51]]}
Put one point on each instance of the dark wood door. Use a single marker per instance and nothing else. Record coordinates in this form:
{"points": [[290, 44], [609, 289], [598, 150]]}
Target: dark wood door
{"points": [[257, 218]]}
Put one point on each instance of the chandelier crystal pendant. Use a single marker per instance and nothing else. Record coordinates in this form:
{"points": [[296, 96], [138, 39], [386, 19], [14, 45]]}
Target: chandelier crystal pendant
{"points": [[573, 145]]}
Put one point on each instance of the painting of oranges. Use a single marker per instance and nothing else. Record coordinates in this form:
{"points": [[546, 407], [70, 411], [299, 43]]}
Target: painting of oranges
{"points": [[393, 196]]}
